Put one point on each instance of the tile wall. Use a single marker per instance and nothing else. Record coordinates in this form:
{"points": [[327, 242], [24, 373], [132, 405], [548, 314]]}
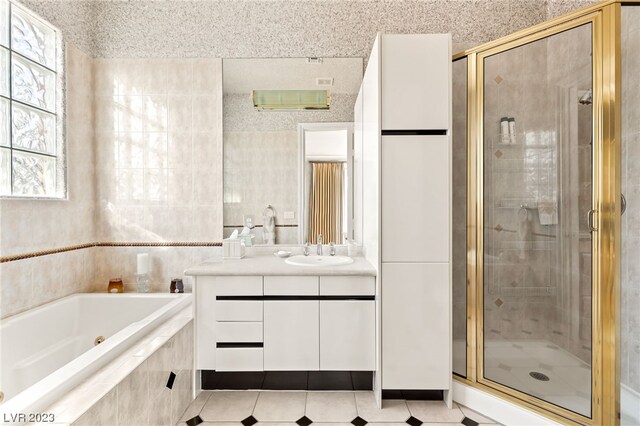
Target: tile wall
{"points": [[158, 137], [33, 225], [630, 287]]}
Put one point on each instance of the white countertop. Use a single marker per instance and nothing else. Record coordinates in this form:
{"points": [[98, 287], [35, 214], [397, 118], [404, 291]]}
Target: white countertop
{"points": [[268, 264]]}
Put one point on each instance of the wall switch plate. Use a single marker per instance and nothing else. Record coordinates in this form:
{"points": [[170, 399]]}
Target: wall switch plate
{"points": [[248, 221], [289, 215]]}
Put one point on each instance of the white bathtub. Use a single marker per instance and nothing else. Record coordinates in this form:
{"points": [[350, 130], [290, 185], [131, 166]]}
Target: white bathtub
{"points": [[47, 351]]}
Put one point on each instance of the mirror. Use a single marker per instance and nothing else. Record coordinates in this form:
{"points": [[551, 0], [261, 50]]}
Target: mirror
{"points": [[287, 170]]}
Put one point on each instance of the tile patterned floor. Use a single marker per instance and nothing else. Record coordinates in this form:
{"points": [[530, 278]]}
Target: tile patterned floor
{"points": [[275, 408], [568, 381]]}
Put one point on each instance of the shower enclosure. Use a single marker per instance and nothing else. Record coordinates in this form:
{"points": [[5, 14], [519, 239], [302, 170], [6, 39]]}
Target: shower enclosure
{"points": [[546, 134]]}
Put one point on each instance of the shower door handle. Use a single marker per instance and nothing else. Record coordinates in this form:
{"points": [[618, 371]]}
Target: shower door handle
{"points": [[623, 204], [590, 225]]}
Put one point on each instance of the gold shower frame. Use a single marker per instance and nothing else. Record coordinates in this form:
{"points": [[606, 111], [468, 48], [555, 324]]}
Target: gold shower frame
{"points": [[604, 18]]}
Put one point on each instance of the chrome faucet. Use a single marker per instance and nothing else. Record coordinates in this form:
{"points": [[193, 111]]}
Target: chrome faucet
{"points": [[332, 249], [307, 249], [319, 244]]}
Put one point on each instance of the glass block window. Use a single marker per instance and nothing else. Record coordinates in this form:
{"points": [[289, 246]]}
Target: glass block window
{"points": [[30, 150]]}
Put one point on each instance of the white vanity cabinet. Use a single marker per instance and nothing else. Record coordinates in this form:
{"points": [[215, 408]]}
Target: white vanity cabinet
{"points": [[291, 324], [347, 324], [285, 323], [291, 335], [347, 335]]}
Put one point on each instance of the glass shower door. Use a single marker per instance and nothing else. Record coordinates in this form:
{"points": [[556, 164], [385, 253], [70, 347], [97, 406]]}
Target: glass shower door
{"points": [[537, 194]]}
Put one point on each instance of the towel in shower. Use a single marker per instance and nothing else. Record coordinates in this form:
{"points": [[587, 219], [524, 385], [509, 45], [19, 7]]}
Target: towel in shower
{"points": [[524, 231], [548, 212], [269, 226]]}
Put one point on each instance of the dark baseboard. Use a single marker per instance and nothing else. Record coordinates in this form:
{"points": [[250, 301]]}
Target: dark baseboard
{"points": [[287, 380], [420, 395]]}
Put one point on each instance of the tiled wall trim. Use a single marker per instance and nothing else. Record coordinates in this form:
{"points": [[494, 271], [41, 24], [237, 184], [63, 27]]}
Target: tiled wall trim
{"points": [[109, 244], [39, 253]]}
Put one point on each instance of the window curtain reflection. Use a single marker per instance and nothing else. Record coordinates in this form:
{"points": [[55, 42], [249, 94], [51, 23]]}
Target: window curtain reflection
{"points": [[325, 203]]}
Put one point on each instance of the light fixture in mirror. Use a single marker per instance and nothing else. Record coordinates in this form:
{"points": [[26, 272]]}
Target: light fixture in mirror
{"points": [[291, 100], [262, 155]]}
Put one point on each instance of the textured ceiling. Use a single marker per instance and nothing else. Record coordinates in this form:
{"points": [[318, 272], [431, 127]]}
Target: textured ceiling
{"points": [[281, 28]]}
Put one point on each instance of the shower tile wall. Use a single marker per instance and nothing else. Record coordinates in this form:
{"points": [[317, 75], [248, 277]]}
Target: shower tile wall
{"points": [[570, 68], [526, 284], [514, 177], [630, 287], [32, 225]]}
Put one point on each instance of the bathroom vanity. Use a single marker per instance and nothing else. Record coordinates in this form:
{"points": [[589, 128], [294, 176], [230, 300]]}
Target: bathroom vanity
{"points": [[261, 314]]}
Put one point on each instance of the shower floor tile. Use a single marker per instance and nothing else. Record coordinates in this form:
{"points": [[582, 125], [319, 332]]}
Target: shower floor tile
{"points": [[510, 362]]}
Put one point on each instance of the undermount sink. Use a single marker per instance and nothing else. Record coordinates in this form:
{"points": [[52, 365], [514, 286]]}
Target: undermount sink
{"points": [[301, 260]]}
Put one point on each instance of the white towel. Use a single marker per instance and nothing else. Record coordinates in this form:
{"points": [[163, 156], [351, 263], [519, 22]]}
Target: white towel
{"points": [[548, 212], [269, 225], [524, 231]]}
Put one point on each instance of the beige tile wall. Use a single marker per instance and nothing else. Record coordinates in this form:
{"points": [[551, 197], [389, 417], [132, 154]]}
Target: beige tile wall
{"points": [[159, 149], [159, 162], [630, 287], [31, 225], [166, 263]]}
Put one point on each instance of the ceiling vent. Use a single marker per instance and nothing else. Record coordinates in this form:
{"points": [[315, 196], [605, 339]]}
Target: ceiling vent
{"points": [[324, 81], [287, 100]]}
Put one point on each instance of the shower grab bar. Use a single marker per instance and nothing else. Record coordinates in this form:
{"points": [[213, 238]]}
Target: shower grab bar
{"points": [[590, 225]]}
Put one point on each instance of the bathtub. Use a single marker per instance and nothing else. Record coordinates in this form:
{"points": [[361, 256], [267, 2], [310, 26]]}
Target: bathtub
{"points": [[47, 351]]}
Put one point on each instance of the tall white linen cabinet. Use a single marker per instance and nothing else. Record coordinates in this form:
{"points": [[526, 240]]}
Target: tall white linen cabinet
{"points": [[402, 167]]}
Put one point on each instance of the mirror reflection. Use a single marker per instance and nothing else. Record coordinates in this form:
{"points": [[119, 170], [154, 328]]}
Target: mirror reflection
{"points": [[287, 137]]}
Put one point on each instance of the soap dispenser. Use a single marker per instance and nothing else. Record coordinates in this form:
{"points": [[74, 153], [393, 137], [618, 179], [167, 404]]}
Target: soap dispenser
{"points": [[177, 286]]}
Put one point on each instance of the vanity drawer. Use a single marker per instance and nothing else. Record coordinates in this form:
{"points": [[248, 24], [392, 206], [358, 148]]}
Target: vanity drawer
{"points": [[290, 286], [238, 310], [239, 332], [237, 286], [347, 286], [239, 359]]}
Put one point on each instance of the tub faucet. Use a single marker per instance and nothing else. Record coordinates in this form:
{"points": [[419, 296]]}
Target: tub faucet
{"points": [[319, 244]]}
